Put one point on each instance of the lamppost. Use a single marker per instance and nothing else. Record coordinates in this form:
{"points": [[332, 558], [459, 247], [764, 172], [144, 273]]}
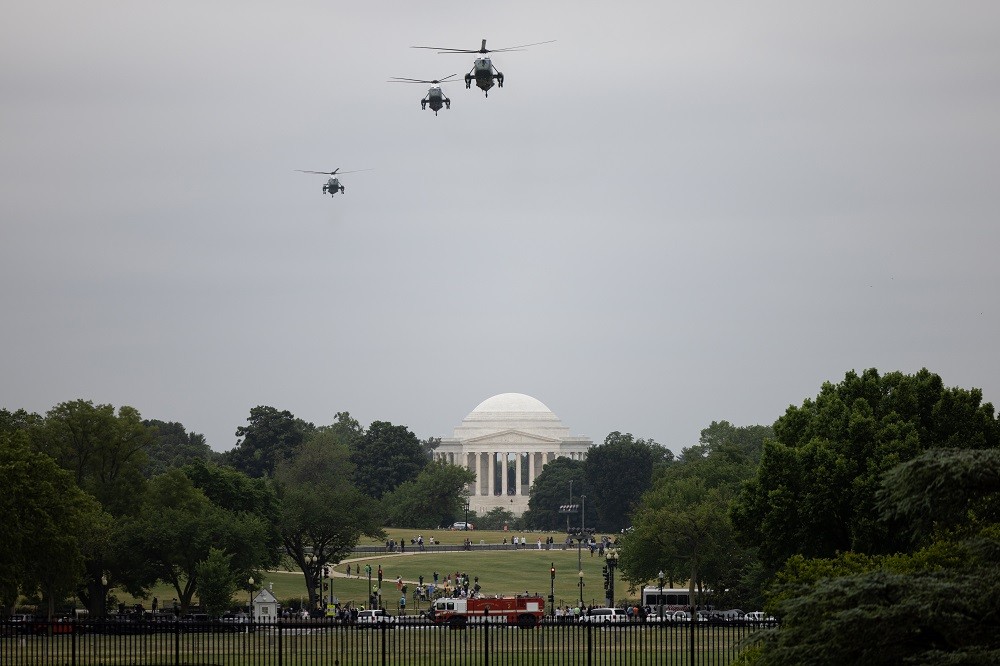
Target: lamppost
{"points": [[466, 525], [581, 587], [552, 590], [611, 557], [250, 597], [104, 596], [659, 599]]}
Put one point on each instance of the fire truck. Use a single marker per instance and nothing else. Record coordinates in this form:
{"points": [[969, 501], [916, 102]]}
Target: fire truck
{"points": [[522, 611]]}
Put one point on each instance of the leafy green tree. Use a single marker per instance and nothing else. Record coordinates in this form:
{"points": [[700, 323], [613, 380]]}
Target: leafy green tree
{"points": [[550, 491], [322, 515], [270, 437], [386, 456], [46, 520], [934, 605], [943, 490], [814, 492], [173, 446], [681, 528], [179, 525], [217, 582], [496, 519], [617, 473], [433, 499], [106, 452]]}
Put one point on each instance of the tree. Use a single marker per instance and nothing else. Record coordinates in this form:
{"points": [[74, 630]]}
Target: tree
{"points": [[173, 446], [433, 499], [933, 605], [942, 490], [322, 515], [270, 437], [386, 456], [682, 528], [814, 492], [496, 519], [179, 525], [46, 521], [217, 582], [106, 452], [551, 490], [617, 473]]}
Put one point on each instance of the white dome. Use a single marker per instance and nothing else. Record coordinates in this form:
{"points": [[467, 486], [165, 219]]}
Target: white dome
{"points": [[511, 411], [512, 402]]}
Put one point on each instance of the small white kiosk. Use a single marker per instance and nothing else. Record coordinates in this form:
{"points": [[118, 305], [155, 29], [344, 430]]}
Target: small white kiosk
{"points": [[265, 607]]}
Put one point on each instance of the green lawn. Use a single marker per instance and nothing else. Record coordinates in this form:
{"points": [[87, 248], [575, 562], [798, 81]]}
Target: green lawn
{"points": [[499, 572]]}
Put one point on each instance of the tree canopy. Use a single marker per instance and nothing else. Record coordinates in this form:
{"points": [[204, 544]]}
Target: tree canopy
{"points": [[551, 490], [322, 514], [386, 456], [815, 489], [617, 473], [270, 437], [433, 499]]}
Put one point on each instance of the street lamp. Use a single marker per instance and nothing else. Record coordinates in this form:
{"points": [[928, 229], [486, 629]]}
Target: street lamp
{"points": [[250, 597], [581, 587], [659, 577], [104, 596], [466, 525], [612, 559]]}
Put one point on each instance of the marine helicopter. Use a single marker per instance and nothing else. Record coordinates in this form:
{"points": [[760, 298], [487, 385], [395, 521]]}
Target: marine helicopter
{"points": [[434, 97], [333, 184], [483, 70]]}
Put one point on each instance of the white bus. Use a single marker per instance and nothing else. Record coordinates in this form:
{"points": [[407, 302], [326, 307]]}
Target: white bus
{"points": [[673, 598]]}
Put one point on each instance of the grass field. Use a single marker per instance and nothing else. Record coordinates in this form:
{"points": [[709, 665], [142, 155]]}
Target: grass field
{"points": [[499, 572]]}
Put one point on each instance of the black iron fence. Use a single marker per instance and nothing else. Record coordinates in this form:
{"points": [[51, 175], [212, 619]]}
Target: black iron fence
{"points": [[405, 641]]}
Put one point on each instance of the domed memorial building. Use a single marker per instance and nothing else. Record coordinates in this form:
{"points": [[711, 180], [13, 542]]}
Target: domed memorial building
{"points": [[509, 431]]}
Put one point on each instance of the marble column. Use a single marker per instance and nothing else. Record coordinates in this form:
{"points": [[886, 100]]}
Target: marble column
{"points": [[504, 457]]}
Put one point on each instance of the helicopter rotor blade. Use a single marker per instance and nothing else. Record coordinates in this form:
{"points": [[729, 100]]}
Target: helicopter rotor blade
{"points": [[355, 170], [403, 79], [442, 49], [517, 48], [321, 173]]}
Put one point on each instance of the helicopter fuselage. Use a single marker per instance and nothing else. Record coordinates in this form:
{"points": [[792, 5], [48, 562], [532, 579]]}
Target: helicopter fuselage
{"points": [[435, 99], [332, 186], [484, 73]]}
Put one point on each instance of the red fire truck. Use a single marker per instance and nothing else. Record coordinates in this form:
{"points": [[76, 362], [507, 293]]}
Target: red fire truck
{"points": [[523, 611]]}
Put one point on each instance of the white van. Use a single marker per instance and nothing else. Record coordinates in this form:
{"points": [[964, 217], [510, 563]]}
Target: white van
{"points": [[605, 616]]}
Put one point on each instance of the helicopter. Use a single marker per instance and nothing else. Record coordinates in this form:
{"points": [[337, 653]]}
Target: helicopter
{"points": [[482, 70], [434, 97], [333, 184]]}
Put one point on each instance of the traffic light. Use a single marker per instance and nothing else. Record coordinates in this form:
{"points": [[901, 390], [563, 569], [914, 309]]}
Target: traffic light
{"points": [[326, 572], [326, 586], [552, 572], [380, 574]]}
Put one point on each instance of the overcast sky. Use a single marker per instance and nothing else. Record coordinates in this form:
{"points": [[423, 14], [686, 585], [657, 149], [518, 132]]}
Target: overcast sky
{"points": [[676, 213]]}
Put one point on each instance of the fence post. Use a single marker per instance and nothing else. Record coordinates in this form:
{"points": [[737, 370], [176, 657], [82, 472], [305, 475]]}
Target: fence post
{"points": [[75, 627], [278, 626], [385, 627], [486, 640], [177, 642], [590, 644]]}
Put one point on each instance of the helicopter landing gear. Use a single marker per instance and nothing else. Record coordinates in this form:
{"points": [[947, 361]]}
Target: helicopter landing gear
{"points": [[423, 105], [499, 79], [468, 81]]}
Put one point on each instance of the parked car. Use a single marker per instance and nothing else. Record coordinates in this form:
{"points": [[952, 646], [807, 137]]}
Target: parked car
{"points": [[374, 617], [604, 616], [461, 525]]}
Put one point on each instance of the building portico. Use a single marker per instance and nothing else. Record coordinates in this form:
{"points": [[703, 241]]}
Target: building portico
{"points": [[509, 432]]}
